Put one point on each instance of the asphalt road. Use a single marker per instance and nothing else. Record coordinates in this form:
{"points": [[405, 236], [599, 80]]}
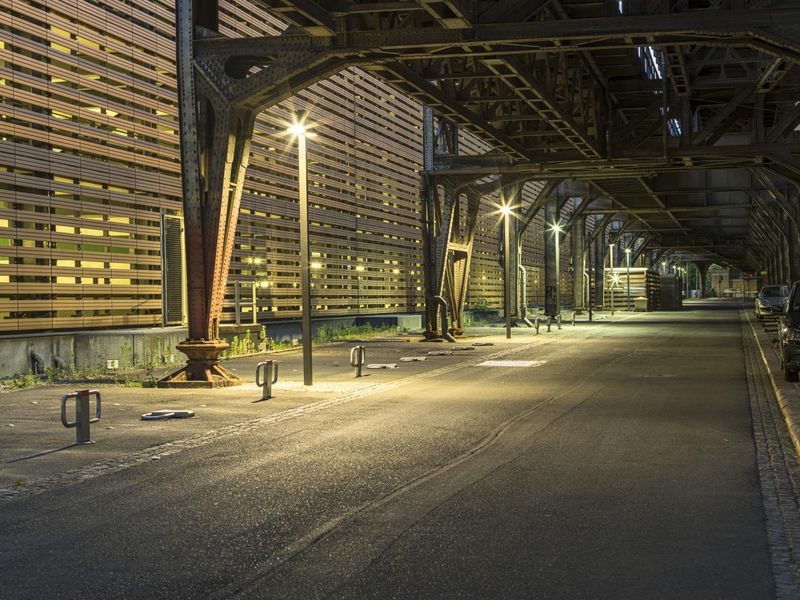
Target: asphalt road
{"points": [[619, 464]]}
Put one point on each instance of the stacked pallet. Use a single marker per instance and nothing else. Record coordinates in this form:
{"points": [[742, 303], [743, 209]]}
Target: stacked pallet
{"points": [[622, 288], [671, 292]]}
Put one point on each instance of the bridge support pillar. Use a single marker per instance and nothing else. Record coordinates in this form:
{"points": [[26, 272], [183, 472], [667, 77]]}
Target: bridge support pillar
{"points": [[783, 253], [793, 236], [599, 268], [702, 270], [215, 150], [449, 219], [578, 238], [552, 258], [774, 267]]}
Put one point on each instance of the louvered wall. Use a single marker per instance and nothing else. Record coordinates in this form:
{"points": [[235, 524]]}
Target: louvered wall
{"points": [[89, 165]]}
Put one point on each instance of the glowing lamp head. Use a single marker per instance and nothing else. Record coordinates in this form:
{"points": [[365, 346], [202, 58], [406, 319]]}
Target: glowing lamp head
{"points": [[556, 227], [297, 129], [505, 209]]}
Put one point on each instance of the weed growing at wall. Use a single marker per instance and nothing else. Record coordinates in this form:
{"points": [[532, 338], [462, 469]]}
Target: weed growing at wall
{"points": [[327, 334], [20, 382], [480, 303]]}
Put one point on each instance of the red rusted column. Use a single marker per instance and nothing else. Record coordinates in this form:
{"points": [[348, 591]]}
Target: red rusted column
{"points": [[215, 147]]}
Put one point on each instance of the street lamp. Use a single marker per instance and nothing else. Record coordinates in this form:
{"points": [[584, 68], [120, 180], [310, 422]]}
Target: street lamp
{"points": [[300, 131], [557, 231], [628, 265]]}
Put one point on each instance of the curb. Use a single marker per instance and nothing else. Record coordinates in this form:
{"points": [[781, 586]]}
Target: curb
{"points": [[784, 392]]}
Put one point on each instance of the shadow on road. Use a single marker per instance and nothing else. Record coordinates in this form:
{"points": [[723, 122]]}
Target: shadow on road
{"points": [[39, 454]]}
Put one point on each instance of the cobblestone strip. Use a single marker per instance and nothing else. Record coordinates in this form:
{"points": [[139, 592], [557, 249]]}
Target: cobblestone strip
{"points": [[131, 459], [778, 472]]}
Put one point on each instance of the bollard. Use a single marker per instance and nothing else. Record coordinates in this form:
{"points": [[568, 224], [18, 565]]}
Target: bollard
{"points": [[549, 323], [269, 371], [574, 312], [358, 356], [82, 419], [558, 320], [536, 325]]}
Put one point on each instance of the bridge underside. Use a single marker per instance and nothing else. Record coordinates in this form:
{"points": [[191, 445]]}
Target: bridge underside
{"points": [[669, 124]]}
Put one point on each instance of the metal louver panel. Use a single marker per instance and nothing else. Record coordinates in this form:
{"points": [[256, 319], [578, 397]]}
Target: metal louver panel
{"points": [[172, 269]]}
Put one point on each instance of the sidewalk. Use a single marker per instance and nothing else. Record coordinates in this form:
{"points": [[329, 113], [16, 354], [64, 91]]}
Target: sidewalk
{"points": [[35, 447], [787, 393]]}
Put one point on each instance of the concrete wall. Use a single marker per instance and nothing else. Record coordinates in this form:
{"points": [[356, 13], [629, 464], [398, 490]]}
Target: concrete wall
{"points": [[90, 350], [286, 331]]}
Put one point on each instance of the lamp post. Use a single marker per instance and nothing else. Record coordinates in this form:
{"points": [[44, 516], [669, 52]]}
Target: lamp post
{"points": [[299, 131], [506, 212], [557, 230], [628, 265]]}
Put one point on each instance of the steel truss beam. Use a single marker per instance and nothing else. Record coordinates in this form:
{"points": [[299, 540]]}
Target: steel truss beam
{"points": [[769, 31], [224, 83]]}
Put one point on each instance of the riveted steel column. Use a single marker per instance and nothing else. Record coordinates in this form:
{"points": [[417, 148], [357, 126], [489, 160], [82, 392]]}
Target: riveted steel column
{"points": [[786, 248], [514, 246], [428, 220], [459, 264], [507, 274], [437, 223], [578, 239], [792, 235], [215, 148], [600, 249], [702, 270], [552, 287]]}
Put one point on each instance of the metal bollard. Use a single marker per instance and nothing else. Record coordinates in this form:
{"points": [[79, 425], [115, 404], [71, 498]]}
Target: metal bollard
{"points": [[268, 370], [82, 419], [549, 322], [358, 356], [536, 325], [573, 317], [558, 321]]}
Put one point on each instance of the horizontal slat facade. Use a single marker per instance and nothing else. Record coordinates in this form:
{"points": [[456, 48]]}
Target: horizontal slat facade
{"points": [[90, 161]]}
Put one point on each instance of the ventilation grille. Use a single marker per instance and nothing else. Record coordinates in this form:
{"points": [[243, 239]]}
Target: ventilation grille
{"points": [[172, 265]]}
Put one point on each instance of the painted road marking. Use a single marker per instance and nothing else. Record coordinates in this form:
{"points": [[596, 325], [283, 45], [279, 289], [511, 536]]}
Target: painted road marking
{"points": [[511, 363]]}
